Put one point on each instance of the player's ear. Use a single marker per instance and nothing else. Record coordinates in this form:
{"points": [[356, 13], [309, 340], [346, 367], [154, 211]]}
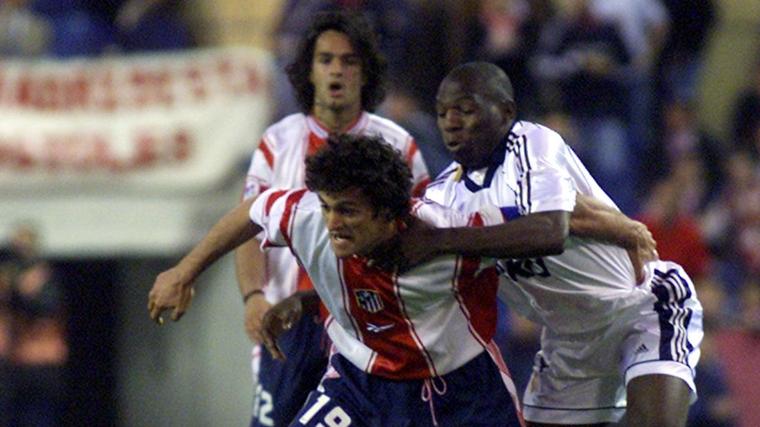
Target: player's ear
{"points": [[508, 110]]}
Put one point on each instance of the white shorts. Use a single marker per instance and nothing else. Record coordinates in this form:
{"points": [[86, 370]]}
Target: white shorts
{"points": [[581, 378]]}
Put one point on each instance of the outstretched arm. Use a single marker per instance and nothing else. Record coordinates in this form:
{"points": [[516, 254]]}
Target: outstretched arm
{"points": [[538, 234], [173, 288]]}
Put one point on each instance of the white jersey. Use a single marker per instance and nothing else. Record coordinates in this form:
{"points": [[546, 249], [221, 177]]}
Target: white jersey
{"points": [[583, 288], [278, 162], [419, 324]]}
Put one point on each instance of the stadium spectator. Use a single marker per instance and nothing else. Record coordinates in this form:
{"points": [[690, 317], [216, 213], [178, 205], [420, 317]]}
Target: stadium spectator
{"points": [[36, 351], [583, 58]]}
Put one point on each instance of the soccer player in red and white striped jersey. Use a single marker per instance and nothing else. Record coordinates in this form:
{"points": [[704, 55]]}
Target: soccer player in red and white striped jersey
{"points": [[338, 78], [409, 347]]}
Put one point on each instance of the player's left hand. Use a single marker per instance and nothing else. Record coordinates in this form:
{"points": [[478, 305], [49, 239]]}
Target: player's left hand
{"points": [[278, 319], [171, 290], [643, 248]]}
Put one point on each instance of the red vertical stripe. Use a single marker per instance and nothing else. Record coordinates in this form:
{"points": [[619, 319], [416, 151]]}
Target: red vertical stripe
{"points": [[273, 198], [303, 283], [290, 203], [411, 152], [315, 143], [398, 355], [419, 189], [477, 291], [268, 156]]}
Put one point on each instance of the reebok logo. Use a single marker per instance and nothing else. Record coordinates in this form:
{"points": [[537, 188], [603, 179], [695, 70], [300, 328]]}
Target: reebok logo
{"points": [[377, 329]]}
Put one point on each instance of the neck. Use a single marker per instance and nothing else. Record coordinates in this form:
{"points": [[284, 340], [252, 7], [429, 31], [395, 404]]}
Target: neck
{"points": [[336, 120], [384, 248]]}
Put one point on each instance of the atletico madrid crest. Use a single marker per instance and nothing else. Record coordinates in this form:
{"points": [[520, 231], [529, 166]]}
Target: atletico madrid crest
{"points": [[369, 300]]}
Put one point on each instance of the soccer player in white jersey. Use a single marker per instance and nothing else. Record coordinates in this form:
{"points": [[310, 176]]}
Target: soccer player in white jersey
{"points": [[412, 348], [608, 337], [338, 78]]}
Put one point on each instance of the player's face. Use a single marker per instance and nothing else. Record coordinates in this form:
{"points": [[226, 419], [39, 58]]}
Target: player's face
{"points": [[471, 124], [336, 73], [354, 226]]}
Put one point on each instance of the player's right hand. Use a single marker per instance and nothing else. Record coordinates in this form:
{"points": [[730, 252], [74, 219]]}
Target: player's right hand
{"points": [[171, 290], [280, 318], [255, 308]]}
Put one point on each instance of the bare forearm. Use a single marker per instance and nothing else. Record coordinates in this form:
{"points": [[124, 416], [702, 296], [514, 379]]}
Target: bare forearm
{"points": [[533, 235], [592, 219], [228, 233], [249, 267]]}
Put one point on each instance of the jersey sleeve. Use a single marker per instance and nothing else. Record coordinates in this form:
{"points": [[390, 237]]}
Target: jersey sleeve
{"points": [[543, 180], [442, 216], [420, 176], [273, 210], [260, 171]]}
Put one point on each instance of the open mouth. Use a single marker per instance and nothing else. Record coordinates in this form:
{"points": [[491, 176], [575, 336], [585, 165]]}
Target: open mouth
{"points": [[453, 145], [340, 237], [335, 88]]}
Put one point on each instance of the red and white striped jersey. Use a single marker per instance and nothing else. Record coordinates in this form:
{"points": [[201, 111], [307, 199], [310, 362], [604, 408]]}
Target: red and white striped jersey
{"points": [[419, 324], [278, 162]]}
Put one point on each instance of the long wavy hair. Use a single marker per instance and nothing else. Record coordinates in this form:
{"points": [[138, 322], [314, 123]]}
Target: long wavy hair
{"points": [[363, 40]]}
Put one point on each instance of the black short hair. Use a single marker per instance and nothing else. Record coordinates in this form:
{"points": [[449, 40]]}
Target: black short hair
{"points": [[485, 78], [363, 39], [364, 162]]}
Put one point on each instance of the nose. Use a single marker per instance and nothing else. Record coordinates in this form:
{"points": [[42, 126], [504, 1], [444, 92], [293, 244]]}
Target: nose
{"points": [[336, 67], [333, 221], [450, 121]]}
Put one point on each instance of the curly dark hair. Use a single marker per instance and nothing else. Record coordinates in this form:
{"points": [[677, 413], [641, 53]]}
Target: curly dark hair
{"points": [[363, 39], [364, 162]]}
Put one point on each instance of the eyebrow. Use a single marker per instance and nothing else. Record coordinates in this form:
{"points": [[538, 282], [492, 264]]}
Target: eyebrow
{"points": [[340, 54], [454, 101]]}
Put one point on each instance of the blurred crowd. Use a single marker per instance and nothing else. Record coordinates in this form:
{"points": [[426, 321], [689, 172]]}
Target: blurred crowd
{"points": [[72, 28], [619, 79], [33, 342]]}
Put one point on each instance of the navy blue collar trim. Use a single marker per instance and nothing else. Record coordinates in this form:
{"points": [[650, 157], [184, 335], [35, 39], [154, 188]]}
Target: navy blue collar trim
{"points": [[497, 159]]}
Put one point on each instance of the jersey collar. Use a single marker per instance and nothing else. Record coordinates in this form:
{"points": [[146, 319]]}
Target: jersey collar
{"points": [[497, 159], [321, 131]]}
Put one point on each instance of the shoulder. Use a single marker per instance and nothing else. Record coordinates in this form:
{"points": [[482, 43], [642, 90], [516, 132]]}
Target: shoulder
{"points": [[277, 203], [437, 190], [286, 130], [534, 139], [449, 173], [389, 129]]}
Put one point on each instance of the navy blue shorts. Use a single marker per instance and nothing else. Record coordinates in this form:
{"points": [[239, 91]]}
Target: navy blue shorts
{"points": [[473, 395], [283, 387]]}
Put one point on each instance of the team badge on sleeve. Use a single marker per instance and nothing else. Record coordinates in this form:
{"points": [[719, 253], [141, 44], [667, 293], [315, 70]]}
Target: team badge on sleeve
{"points": [[369, 300]]}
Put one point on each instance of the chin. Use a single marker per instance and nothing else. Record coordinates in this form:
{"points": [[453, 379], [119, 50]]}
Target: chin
{"points": [[342, 253]]}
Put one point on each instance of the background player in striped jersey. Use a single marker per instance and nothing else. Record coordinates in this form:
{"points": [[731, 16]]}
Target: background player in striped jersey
{"points": [[338, 76], [605, 330], [411, 348]]}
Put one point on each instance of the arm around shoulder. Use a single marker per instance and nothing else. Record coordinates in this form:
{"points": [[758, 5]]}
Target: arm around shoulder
{"points": [[538, 234]]}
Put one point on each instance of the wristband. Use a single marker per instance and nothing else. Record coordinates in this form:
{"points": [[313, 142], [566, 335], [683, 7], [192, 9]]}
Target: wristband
{"points": [[248, 296]]}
